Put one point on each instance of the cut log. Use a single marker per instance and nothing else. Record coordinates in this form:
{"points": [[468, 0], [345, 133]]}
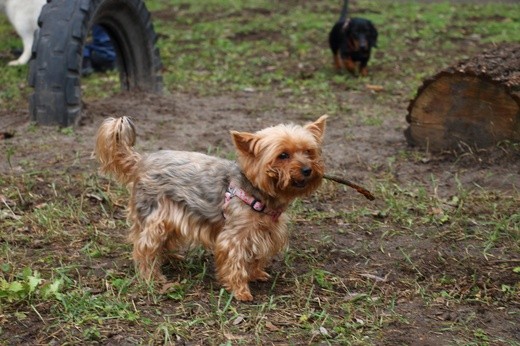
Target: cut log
{"points": [[476, 102]]}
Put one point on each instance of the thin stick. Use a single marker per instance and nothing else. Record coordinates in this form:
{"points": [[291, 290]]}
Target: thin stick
{"points": [[358, 188]]}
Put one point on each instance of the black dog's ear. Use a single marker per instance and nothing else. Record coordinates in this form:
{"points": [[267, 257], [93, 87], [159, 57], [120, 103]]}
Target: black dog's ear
{"points": [[372, 37]]}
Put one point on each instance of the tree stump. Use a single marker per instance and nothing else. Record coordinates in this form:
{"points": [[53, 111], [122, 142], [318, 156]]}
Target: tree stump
{"points": [[476, 103]]}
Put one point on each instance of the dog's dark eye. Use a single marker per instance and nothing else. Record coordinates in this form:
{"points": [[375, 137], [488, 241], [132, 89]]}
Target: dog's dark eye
{"points": [[309, 153], [283, 156]]}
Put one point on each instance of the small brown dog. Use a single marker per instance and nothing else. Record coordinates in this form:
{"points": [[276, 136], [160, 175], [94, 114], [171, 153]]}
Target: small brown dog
{"points": [[235, 209]]}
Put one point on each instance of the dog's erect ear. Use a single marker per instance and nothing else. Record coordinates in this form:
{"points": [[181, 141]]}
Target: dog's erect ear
{"points": [[372, 37], [317, 128], [244, 142]]}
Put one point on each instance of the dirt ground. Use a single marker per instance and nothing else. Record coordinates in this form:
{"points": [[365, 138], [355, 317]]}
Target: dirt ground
{"points": [[362, 153]]}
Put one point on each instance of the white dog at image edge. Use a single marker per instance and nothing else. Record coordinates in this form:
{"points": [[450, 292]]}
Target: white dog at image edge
{"points": [[23, 15]]}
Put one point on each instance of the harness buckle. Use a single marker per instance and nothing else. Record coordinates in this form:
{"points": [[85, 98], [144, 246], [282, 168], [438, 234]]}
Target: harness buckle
{"points": [[253, 205]]}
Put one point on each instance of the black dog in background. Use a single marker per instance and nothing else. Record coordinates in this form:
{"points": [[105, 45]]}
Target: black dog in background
{"points": [[351, 40]]}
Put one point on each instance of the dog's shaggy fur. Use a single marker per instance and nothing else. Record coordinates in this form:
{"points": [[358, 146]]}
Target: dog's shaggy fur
{"points": [[235, 209]]}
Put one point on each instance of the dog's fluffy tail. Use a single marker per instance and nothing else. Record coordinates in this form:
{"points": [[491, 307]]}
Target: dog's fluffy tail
{"points": [[114, 148]]}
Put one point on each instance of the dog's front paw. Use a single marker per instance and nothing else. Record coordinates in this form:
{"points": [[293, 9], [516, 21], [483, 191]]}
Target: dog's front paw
{"points": [[151, 274], [243, 296], [350, 65]]}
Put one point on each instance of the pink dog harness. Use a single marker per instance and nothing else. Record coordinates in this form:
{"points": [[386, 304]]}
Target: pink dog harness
{"points": [[255, 204]]}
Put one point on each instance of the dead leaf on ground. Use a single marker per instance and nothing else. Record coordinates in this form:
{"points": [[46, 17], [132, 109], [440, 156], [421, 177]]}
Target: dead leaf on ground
{"points": [[374, 87]]}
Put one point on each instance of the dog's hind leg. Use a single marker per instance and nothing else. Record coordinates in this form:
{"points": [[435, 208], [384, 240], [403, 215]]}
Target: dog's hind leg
{"points": [[149, 239], [27, 40], [25, 29]]}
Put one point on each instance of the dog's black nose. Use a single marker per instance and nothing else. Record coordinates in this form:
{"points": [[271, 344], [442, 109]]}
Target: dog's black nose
{"points": [[363, 43], [306, 171], [363, 46]]}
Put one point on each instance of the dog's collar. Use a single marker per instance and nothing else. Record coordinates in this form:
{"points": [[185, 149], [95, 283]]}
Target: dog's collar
{"points": [[255, 204]]}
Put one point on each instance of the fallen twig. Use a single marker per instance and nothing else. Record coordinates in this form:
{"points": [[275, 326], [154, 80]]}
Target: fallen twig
{"points": [[358, 188]]}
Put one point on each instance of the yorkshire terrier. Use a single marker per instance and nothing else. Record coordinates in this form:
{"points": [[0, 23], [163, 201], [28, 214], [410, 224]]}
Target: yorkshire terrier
{"points": [[235, 209]]}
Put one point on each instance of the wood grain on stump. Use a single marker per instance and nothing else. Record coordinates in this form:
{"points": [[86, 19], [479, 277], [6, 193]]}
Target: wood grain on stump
{"points": [[475, 102]]}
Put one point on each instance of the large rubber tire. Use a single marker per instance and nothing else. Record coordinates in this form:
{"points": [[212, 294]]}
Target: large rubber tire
{"points": [[55, 66]]}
